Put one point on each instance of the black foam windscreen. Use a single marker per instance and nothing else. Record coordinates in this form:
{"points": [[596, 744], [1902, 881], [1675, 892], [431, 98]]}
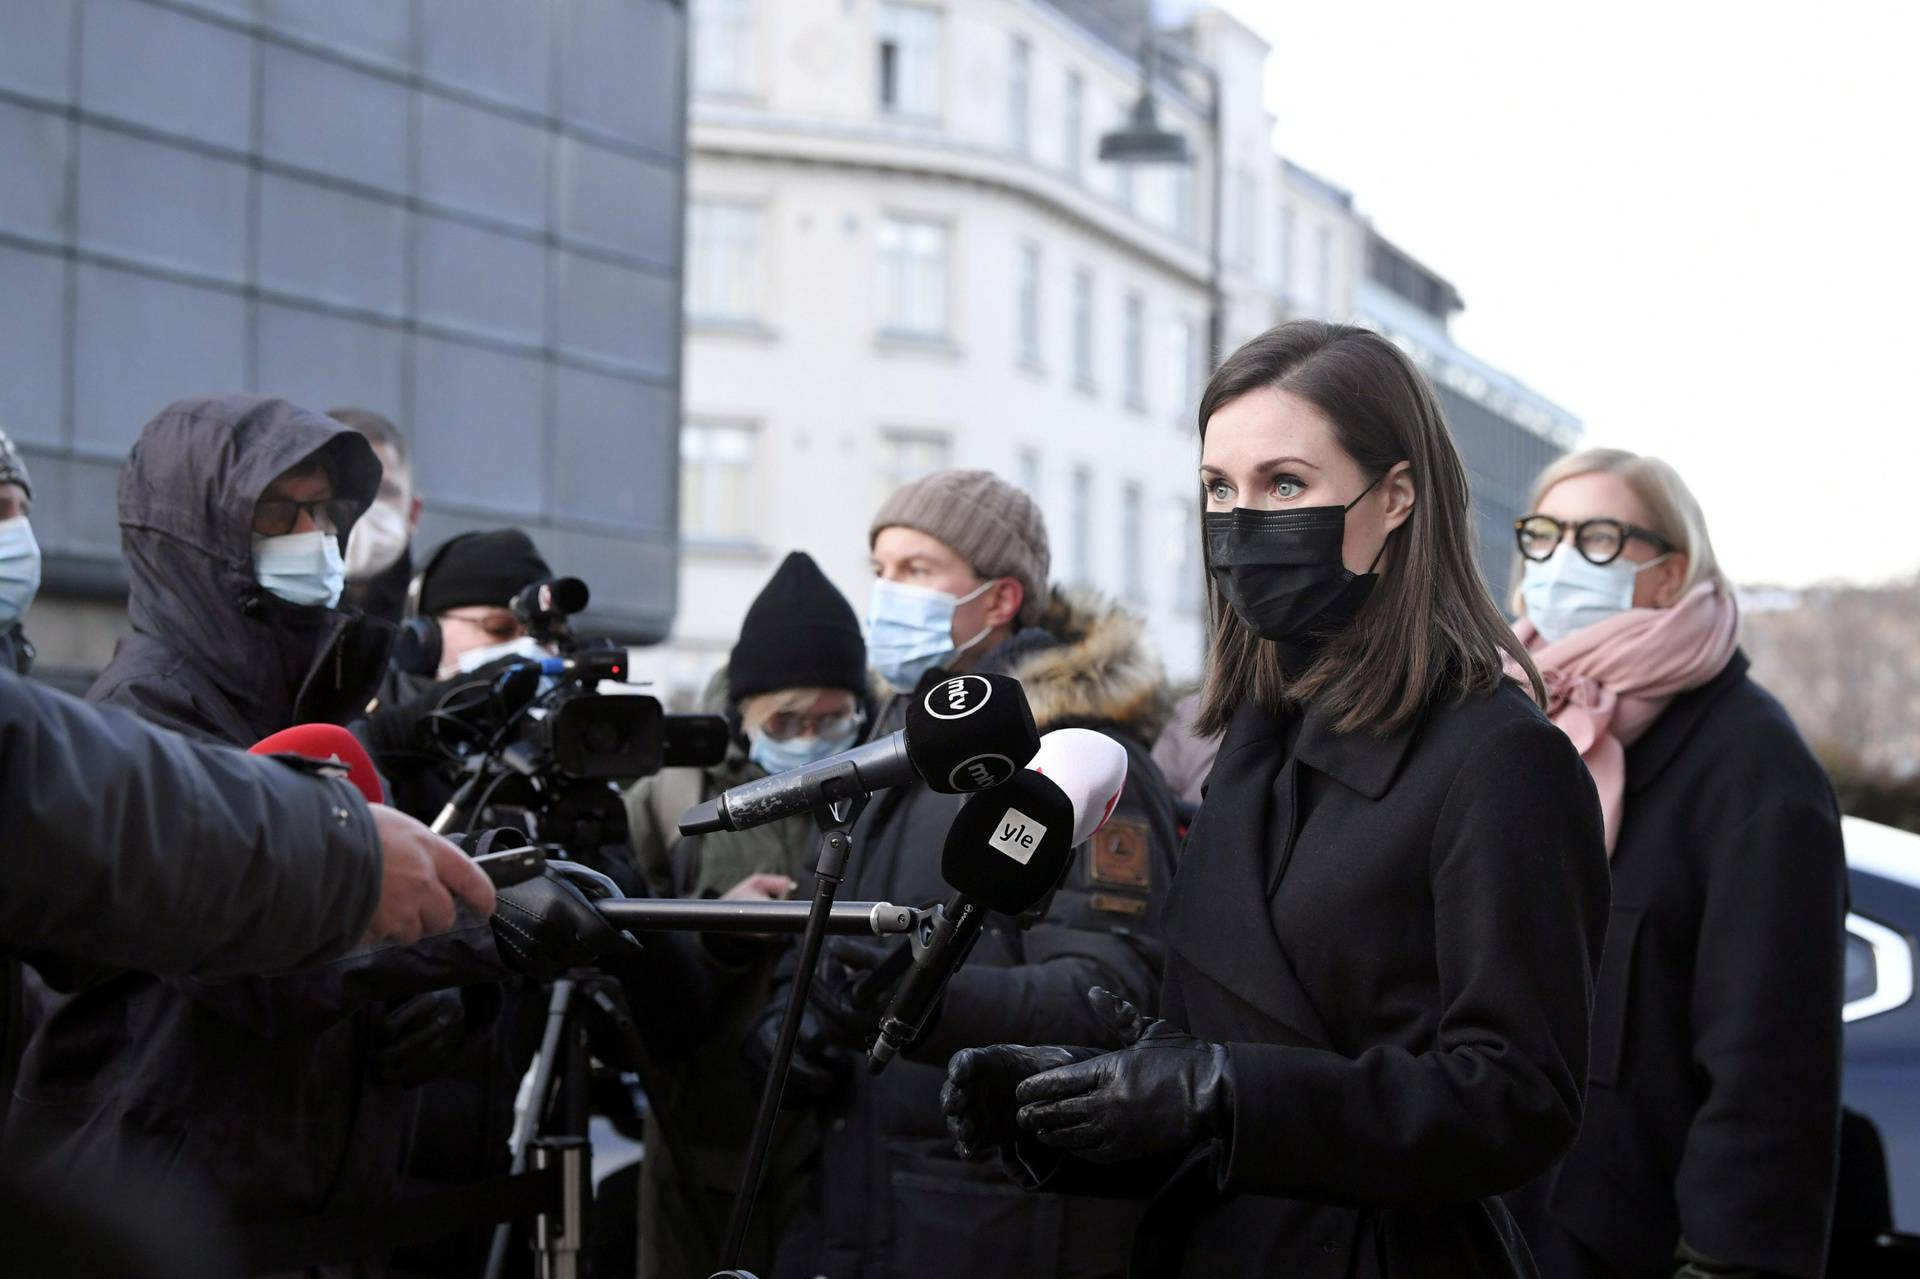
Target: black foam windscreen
{"points": [[1008, 846], [971, 732]]}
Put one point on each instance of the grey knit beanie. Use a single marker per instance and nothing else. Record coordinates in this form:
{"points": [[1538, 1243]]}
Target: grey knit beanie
{"points": [[12, 469], [994, 526]]}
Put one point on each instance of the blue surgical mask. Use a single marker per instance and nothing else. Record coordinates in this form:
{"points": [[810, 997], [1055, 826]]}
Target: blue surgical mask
{"points": [[1568, 592], [910, 630], [796, 752], [19, 570], [301, 568]]}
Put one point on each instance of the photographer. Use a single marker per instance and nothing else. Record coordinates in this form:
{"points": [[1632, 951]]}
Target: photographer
{"points": [[795, 689], [260, 1087]]}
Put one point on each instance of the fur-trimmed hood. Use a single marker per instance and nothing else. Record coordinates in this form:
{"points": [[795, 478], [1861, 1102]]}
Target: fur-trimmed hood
{"points": [[1087, 662]]}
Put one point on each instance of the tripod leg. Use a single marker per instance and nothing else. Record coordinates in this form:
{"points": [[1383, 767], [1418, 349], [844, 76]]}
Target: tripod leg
{"points": [[540, 1083]]}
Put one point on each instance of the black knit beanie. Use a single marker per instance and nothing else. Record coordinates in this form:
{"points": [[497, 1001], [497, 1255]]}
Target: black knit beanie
{"points": [[486, 569], [800, 633]]}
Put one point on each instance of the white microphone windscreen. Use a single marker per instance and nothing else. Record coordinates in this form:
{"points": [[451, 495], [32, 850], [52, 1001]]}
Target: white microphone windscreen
{"points": [[1090, 768]]}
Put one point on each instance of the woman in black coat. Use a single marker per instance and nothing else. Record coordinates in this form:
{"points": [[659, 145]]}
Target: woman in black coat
{"points": [[1711, 1137], [1386, 922]]}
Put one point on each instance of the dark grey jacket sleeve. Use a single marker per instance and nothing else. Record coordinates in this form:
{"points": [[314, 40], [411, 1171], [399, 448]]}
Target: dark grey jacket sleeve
{"points": [[130, 846]]}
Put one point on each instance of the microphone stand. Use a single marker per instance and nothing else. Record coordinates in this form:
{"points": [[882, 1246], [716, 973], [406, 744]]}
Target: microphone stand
{"points": [[836, 799]]}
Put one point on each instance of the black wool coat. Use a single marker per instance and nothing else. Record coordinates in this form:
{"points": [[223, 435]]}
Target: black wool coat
{"points": [[1397, 938], [1714, 1109]]}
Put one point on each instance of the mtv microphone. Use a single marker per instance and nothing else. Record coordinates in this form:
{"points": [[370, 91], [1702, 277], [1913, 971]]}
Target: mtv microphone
{"points": [[1006, 851], [339, 753], [967, 733]]}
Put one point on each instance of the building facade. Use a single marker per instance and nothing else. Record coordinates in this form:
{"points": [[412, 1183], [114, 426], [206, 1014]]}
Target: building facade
{"points": [[465, 214], [905, 255]]}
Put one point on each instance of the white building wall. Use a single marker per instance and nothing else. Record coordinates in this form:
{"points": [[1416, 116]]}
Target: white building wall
{"points": [[822, 387]]}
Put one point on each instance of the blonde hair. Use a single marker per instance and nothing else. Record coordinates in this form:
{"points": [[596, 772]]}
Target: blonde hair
{"points": [[755, 711], [1674, 511]]}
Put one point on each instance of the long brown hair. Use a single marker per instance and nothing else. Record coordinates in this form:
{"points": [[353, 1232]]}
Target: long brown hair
{"points": [[1429, 630]]}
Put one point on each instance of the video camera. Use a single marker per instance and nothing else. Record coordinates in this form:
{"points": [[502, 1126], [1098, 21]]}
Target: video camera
{"points": [[545, 722]]}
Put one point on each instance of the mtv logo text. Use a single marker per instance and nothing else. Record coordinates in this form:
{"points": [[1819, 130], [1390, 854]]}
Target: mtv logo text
{"points": [[958, 697], [1018, 835]]}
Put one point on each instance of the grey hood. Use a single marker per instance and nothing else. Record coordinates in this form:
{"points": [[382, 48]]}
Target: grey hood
{"points": [[187, 497]]}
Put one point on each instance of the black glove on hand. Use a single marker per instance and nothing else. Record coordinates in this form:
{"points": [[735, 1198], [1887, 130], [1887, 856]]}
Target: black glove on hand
{"points": [[848, 1010], [1165, 1092], [414, 1041], [819, 1065], [549, 923], [978, 1095]]}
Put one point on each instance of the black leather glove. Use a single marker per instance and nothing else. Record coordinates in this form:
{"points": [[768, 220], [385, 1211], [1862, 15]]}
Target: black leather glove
{"points": [[1165, 1092], [549, 923], [978, 1095], [415, 1040], [820, 1066], [1694, 1264]]}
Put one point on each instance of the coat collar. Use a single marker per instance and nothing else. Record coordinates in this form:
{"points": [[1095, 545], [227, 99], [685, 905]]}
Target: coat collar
{"points": [[1648, 758], [1362, 762]]}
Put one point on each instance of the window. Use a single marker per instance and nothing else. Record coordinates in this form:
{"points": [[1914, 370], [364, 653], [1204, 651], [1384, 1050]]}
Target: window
{"points": [[1080, 517], [1183, 366], [1244, 192], [913, 277], [1323, 271], [1133, 584], [1283, 255], [1073, 144], [1019, 72], [1027, 320], [1083, 328], [1133, 352], [907, 457], [1183, 557], [723, 46], [909, 60], [1029, 474], [716, 477], [1180, 195], [723, 261]]}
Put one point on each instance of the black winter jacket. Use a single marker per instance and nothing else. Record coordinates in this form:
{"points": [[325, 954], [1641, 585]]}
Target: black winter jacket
{"points": [[1714, 1107], [892, 1197], [1396, 937], [257, 1086]]}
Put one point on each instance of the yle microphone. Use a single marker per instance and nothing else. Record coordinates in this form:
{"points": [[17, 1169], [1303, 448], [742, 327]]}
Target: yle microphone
{"points": [[967, 733], [1007, 849], [333, 746]]}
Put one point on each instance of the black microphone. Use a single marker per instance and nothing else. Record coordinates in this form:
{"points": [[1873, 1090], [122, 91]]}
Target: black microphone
{"points": [[967, 733], [1006, 851]]}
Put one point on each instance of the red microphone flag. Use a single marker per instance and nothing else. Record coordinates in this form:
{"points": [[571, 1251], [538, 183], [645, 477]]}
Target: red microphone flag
{"points": [[332, 744]]}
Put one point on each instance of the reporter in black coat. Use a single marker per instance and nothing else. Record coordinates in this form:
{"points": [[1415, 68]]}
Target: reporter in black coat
{"points": [[1712, 1128], [1386, 922]]}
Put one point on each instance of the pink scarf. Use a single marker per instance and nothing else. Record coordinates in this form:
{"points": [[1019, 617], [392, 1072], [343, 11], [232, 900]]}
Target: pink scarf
{"points": [[1607, 683]]}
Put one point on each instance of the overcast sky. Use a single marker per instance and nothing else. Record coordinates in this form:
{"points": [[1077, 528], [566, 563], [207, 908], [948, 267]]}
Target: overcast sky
{"points": [[1695, 225]]}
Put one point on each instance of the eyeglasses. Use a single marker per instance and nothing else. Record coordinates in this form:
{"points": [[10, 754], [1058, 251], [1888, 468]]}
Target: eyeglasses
{"points": [[1598, 541], [278, 516], [501, 625], [787, 725]]}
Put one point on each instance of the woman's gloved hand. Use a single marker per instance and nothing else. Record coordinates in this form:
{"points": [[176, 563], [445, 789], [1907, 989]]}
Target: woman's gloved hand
{"points": [[415, 1040], [549, 924], [1165, 1092], [978, 1095]]}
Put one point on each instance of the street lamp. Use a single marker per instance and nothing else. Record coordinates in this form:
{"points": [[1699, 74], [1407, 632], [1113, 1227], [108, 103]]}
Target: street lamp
{"points": [[1142, 141]]}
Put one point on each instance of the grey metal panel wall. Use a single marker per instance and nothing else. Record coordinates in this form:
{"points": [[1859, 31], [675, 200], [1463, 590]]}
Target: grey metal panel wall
{"points": [[464, 213], [1502, 460]]}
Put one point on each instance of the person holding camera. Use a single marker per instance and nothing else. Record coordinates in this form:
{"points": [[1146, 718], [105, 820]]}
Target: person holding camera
{"points": [[276, 1091], [795, 691]]}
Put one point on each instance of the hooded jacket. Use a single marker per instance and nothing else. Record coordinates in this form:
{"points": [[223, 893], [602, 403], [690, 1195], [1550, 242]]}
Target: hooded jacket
{"points": [[892, 1198], [214, 653], [257, 1087]]}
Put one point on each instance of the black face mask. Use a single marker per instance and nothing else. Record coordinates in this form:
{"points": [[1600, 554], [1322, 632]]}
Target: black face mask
{"points": [[1281, 570]]}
